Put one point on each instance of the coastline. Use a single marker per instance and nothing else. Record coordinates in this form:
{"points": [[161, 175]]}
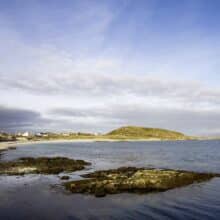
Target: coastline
{"points": [[7, 145]]}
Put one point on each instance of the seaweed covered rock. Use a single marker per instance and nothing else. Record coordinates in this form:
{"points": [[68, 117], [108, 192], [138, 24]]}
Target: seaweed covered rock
{"points": [[136, 180], [41, 165], [64, 177]]}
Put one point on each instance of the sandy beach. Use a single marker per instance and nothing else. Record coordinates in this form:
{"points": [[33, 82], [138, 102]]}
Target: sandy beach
{"points": [[6, 145]]}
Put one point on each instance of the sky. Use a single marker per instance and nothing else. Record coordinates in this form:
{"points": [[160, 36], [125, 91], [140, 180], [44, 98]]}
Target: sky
{"points": [[77, 65]]}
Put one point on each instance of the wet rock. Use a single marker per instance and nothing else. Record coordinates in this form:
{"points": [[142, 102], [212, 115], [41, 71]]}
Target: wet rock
{"points": [[12, 148], [6, 149], [100, 192], [2, 152], [64, 177], [41, 165], [136, 180]]}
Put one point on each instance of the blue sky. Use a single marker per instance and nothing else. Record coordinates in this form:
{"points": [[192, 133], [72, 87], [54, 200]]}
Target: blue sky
{"points": [[96, 65]]}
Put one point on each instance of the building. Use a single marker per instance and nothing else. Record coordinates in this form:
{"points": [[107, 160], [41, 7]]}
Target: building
{"points": [[25, 134], [42, 134]]}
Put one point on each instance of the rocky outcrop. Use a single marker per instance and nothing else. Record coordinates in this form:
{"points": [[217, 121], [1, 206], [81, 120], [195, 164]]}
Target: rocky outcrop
{"points": [[134, 180], [64, 177], [41, 165]]}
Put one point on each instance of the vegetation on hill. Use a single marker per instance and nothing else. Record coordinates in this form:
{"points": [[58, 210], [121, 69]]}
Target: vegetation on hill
{"points": [[6, 137], [123, 133], [145, 133]]}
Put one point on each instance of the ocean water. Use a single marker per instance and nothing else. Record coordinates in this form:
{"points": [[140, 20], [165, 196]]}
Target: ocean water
{"points": [[43, 197]]}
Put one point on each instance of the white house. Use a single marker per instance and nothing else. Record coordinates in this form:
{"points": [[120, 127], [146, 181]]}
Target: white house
{"points": [[25, 134]]}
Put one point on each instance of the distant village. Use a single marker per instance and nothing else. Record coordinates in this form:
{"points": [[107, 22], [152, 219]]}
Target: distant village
{"points": [[22, 136]]}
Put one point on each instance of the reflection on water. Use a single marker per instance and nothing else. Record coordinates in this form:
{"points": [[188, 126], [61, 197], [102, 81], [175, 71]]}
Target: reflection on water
{"points": [[34, 197]]}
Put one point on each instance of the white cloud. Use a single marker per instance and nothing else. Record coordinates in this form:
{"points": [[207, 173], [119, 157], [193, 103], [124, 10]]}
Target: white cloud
{"points": [[106, 78]]}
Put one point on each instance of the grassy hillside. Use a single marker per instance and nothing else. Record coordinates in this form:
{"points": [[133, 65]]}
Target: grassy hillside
{"points": [[145, 133]]}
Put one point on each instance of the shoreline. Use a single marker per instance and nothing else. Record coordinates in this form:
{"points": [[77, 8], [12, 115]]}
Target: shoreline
{"points": [[7, 145]]}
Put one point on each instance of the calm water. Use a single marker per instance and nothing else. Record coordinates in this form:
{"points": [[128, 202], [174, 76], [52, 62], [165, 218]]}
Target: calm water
{"points": [[42, 197]]}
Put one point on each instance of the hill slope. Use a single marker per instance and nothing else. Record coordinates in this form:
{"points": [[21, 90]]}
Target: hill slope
{"points": [[145, 133]]}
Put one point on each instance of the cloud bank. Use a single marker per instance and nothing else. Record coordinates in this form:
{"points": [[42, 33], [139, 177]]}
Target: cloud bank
{"points": [[96, 66]]}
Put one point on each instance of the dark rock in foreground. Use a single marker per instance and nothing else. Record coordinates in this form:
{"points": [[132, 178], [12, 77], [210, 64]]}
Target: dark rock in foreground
{"points": [[41, 165], [134, 180], [64, 177], [6, 149]]}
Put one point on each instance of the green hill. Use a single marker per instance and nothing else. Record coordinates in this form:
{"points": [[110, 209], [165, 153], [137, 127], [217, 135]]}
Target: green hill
{"points": [[134, 132]]}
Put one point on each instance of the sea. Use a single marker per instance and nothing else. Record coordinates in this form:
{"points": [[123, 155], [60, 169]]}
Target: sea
{"points": [[44, 197]]}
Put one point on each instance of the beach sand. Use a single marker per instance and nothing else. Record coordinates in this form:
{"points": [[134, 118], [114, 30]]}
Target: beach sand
{"points": [[6, 145]]}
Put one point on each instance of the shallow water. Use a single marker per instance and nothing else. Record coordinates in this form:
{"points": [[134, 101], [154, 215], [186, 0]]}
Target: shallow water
{"points": [[42, 197]]}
